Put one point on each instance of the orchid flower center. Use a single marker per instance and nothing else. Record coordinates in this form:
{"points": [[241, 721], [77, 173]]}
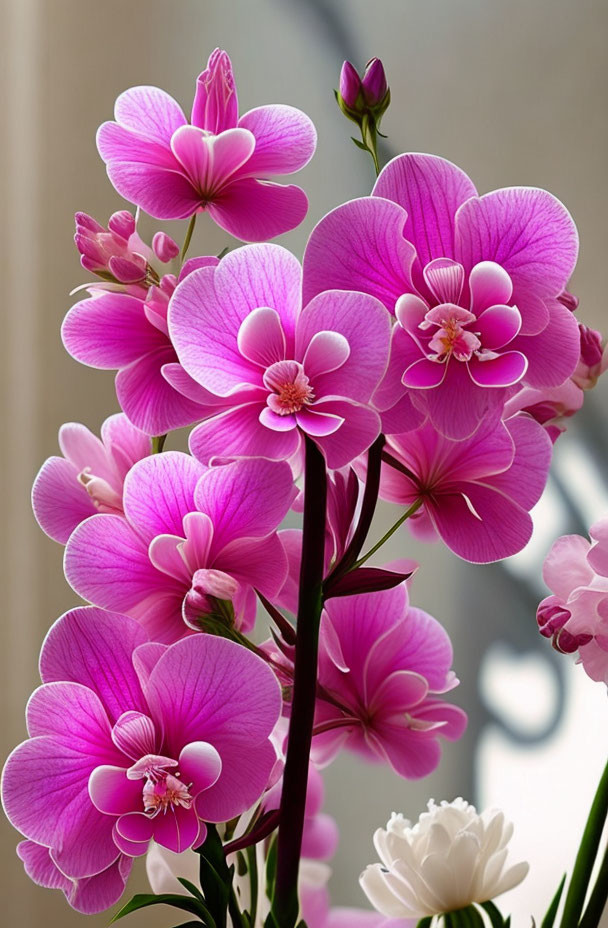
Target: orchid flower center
{"points": [[451, 336], [291, 389], [162, 790]]}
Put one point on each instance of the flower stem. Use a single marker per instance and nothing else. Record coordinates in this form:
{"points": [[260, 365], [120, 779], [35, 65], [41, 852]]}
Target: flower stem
{"points": [[581, 875], [158, 443], [285, 906], [187, 239], [408, 512]]}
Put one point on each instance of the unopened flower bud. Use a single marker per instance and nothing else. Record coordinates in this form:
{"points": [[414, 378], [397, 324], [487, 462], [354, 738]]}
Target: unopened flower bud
{"points": [[350, 85], [593, 360], [374, 85], [122, 224], [366, 97], [164, 247]]}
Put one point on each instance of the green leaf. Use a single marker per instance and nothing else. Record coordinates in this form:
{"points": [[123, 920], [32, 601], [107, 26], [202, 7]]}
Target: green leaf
{"points": [[143, 900], [496, 918], [425, 922], [192, 889], [271, 869], [359, 144], [215, 876], [190, 925], [549, 918]]}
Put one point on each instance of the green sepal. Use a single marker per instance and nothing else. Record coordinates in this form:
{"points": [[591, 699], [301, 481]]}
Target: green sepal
{"points": [[359, 144], [495, 917], [143, 900], [549, 918]]}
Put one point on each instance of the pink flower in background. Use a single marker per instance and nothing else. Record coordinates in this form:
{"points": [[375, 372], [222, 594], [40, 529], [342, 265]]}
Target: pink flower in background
{"points": [[474, 281], [127, 331], [550, 407], [173, 737], [216, 163], [383, 664], [190, 543], [593, 359], [118, 253], [575, 617], [278, 370], [476, 493], [89, 477]]}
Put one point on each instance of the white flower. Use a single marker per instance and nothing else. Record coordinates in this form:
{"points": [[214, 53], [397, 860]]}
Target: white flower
{"points": [[451, 858]]}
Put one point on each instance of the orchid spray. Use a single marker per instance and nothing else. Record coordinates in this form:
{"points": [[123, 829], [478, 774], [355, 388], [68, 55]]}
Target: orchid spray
{"points": [[426, 353]]}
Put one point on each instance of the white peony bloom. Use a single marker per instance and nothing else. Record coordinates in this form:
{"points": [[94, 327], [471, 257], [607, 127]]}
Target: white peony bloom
{"points": [[451, 858]]}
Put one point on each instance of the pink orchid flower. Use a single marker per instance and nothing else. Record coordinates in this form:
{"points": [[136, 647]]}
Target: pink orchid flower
{"points": [[575, 617], [125, 329], [217, 163], [476, 493], [279, 370], [191, 542], [118, 253], [383, 664], [89, 477], [173, 737], [475, 283]]}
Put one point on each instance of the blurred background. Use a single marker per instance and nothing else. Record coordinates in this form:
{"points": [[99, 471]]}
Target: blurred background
{"points": [[515, 93]]}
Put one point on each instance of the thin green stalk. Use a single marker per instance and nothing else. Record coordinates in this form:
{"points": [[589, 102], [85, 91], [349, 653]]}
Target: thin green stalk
{"points": [[158, 443], [408, 512], [252, 865], [583, 867], [188, 238], [236, 916]]}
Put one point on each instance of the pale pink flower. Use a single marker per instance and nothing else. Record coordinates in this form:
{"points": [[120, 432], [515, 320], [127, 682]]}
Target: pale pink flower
{"points": [[89, 477], [575, 617], [131, 741], [218, 163]]}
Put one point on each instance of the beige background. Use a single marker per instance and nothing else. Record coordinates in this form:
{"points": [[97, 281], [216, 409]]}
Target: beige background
{"points": [[512, 90]]}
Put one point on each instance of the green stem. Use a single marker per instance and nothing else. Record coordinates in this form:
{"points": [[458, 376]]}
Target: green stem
{"points": [[252, 863], [581, 875], [368, 135], [408, 512], [236, 916], [158, 443], [188, 238], [598, 898]]}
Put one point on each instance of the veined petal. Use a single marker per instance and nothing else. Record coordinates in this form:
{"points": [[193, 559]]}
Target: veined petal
{"points": [[254, 210], [285, 139], [503, 371], [149, 111]]}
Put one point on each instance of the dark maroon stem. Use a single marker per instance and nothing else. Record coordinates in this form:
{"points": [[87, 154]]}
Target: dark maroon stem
{"points": [[264, 827], [285, 906]]}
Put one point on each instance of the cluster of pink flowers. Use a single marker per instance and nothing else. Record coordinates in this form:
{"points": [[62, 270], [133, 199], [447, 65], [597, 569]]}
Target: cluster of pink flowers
{"points": [[426, 352]]}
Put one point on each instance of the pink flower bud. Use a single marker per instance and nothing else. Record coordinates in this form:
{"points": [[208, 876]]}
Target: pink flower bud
{"points": [[374, 83], [122, 224], [215, 106], [551, 616], [350, 85], [593, 360], [568, 300], [164, 247], [127, 270]]}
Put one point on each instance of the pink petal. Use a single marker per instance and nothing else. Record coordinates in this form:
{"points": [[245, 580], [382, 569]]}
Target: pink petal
{"points": [[490, 285], [163, 193], [244, 499], [209, 160], [149, 111], [497, 326], [175, 375], [272, 420], [326, 352], [458, 407], [425, 374], [526, 478], [136, 827], [365, 324], [360, 246], [159, 492], [261, 339], [149, 400], [402, 417], [40, 867], [529, 233], [177, 830], [209, 306], [445, 279], [430, 189], [259, 562], [551, 353], [285, 139], [566, 567], [109, 331], [398, 692], [59, 501], [199, 764], [239, 433], [426, 648], [504, 371], [112, 792], [107, 563], [412, 754], [246, 771], [97, 893], [318, 424], [215, 105], [254, 210], [360, 429], [125, 443], [404, 351], [115, 143], [321, 837], [83, 643]]}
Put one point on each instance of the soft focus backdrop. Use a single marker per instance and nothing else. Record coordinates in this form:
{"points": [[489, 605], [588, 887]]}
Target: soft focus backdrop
{"points": [[514, 93]]}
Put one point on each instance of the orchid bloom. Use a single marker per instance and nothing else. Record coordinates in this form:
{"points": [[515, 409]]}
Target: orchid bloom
{"points": [[216, 163], [191, 544], [475, 283], [89, 477], [278, 370], [171, 738]]}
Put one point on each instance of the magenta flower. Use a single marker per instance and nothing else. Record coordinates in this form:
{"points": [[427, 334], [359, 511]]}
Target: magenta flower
{"points": [[127, 331], [279, 370], [476, 493], [171, 738], [118, 253], [89, 477], [382, 665], [475, 283], [216, 163], [575, 617], [190, 544]]}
